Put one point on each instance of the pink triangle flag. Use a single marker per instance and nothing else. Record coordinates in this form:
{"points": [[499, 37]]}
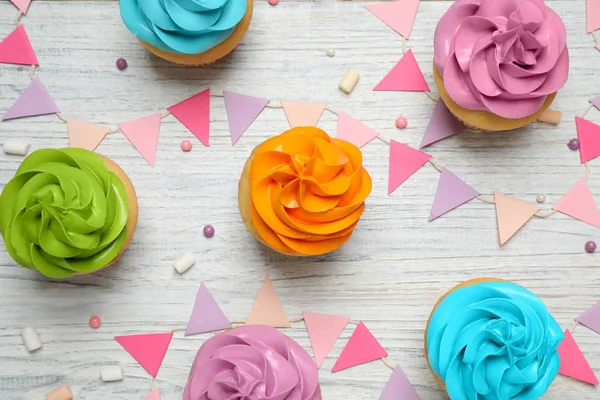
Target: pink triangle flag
{"points": [[22, 5], [302, 114], [591, 318], [589, 139], [596, 102], [194, 113], [579, 204], [451, 193], [405, 76], [323, 331], [354, 131], [441, 126], [143, 135], [360, 349], [267, 309], [34, 101], [16, 48], [85, 135], [154, 395], [148, 349], [593, 15], [404, 161], [572, 361], [511, 215], [399, 387], [241, 110], [398, 15], [206, 316]]}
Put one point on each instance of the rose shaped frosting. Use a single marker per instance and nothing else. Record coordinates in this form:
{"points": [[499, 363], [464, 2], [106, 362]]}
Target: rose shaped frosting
{"points": [[252, 363], [495, 341], [182, 26], [307, 191], [504, 57], [63, 213]]}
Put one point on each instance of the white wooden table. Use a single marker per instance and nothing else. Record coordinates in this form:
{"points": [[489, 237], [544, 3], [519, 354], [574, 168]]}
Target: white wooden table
{"points": [[391, 272]]}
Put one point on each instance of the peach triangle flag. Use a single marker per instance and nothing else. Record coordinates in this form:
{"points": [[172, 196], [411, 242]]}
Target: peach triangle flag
{"points": [[579, 204], [398, 15], [154, 395], [85, 135], [588, 134], [353, 131], [148, 349], [267, 309], [593, 15], [194, 113], [16, 48], [143, 135], [323, 331], [302, 114], [572, 361], [511, 215], [360, 349], [406, 76], [404, 161]]}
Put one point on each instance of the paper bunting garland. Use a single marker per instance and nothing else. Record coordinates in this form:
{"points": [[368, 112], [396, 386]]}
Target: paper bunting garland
{"points": [[511, 215], [22, 5], [354, 131], [451, 193], [34, 101], [405, 76], [194, 113], [323, 331], [442, 125], [579, 204], [593, 15], [404, 161], [143, 135], [596, 102], [154, 395], [572, 362], [399, 387], [148, 349], [398, 15], [267, 309], [588, 134], [241, 110], [360, 349], [85, 135], [206, 316], [303, 114], [591, 318], [16, 48]]}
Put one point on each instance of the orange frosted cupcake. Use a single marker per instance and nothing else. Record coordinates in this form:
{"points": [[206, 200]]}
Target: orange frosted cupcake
{"points": [[302, 192]]}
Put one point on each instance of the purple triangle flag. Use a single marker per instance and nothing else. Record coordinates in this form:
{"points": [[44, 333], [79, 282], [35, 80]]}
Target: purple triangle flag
{"points": [[241, 110], [451, 193], [399, 388], [35, 100], [206, 315], [596, 102], [591, 318], [441, 126]]}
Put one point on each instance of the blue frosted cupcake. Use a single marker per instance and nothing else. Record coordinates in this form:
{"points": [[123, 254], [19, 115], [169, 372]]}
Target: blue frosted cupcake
{"points": [[489, 339]]}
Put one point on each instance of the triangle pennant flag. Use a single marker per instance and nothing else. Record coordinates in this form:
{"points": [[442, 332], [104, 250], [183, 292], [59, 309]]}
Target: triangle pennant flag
{"points": [[85, 135], [596, 102], [593, 15], [398, 15], [267, 309], [323, 331], [154, 395], [441, 126], [194, 113], [302, 114], [406, 76], [143, 135], [591, 318], [451, 193], [241, 110], [34, 101], [354, 131], [588, 134], [404, 161], [16, 48], [22, 5], [360, 349], [206, 316], [511, 215], [579, 204], [399, 387], [572, 362], [148, 349]]}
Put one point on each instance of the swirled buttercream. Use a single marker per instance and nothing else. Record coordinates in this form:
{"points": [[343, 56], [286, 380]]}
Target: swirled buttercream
{"points": [[63, 213], [493, 341], [504, 57], [253, 363]]}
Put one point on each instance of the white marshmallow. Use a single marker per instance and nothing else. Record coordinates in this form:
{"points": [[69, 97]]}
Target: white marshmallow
{"points": [[16, 147], [349, 80], [111, 374], [31, 339], [184, 263]]}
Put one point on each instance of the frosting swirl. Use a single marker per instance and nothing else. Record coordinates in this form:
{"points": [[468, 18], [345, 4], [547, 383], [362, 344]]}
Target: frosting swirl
{"points": [[493, 340], [182, 26], [63, 213], [307, 191], [504, 57], [252, 363]]}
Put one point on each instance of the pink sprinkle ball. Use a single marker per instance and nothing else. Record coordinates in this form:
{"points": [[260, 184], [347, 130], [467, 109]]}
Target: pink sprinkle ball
{"points": [[273, 2], [121, 64], [209, 231], [95, 322], [186, 145], [401, 122]]}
